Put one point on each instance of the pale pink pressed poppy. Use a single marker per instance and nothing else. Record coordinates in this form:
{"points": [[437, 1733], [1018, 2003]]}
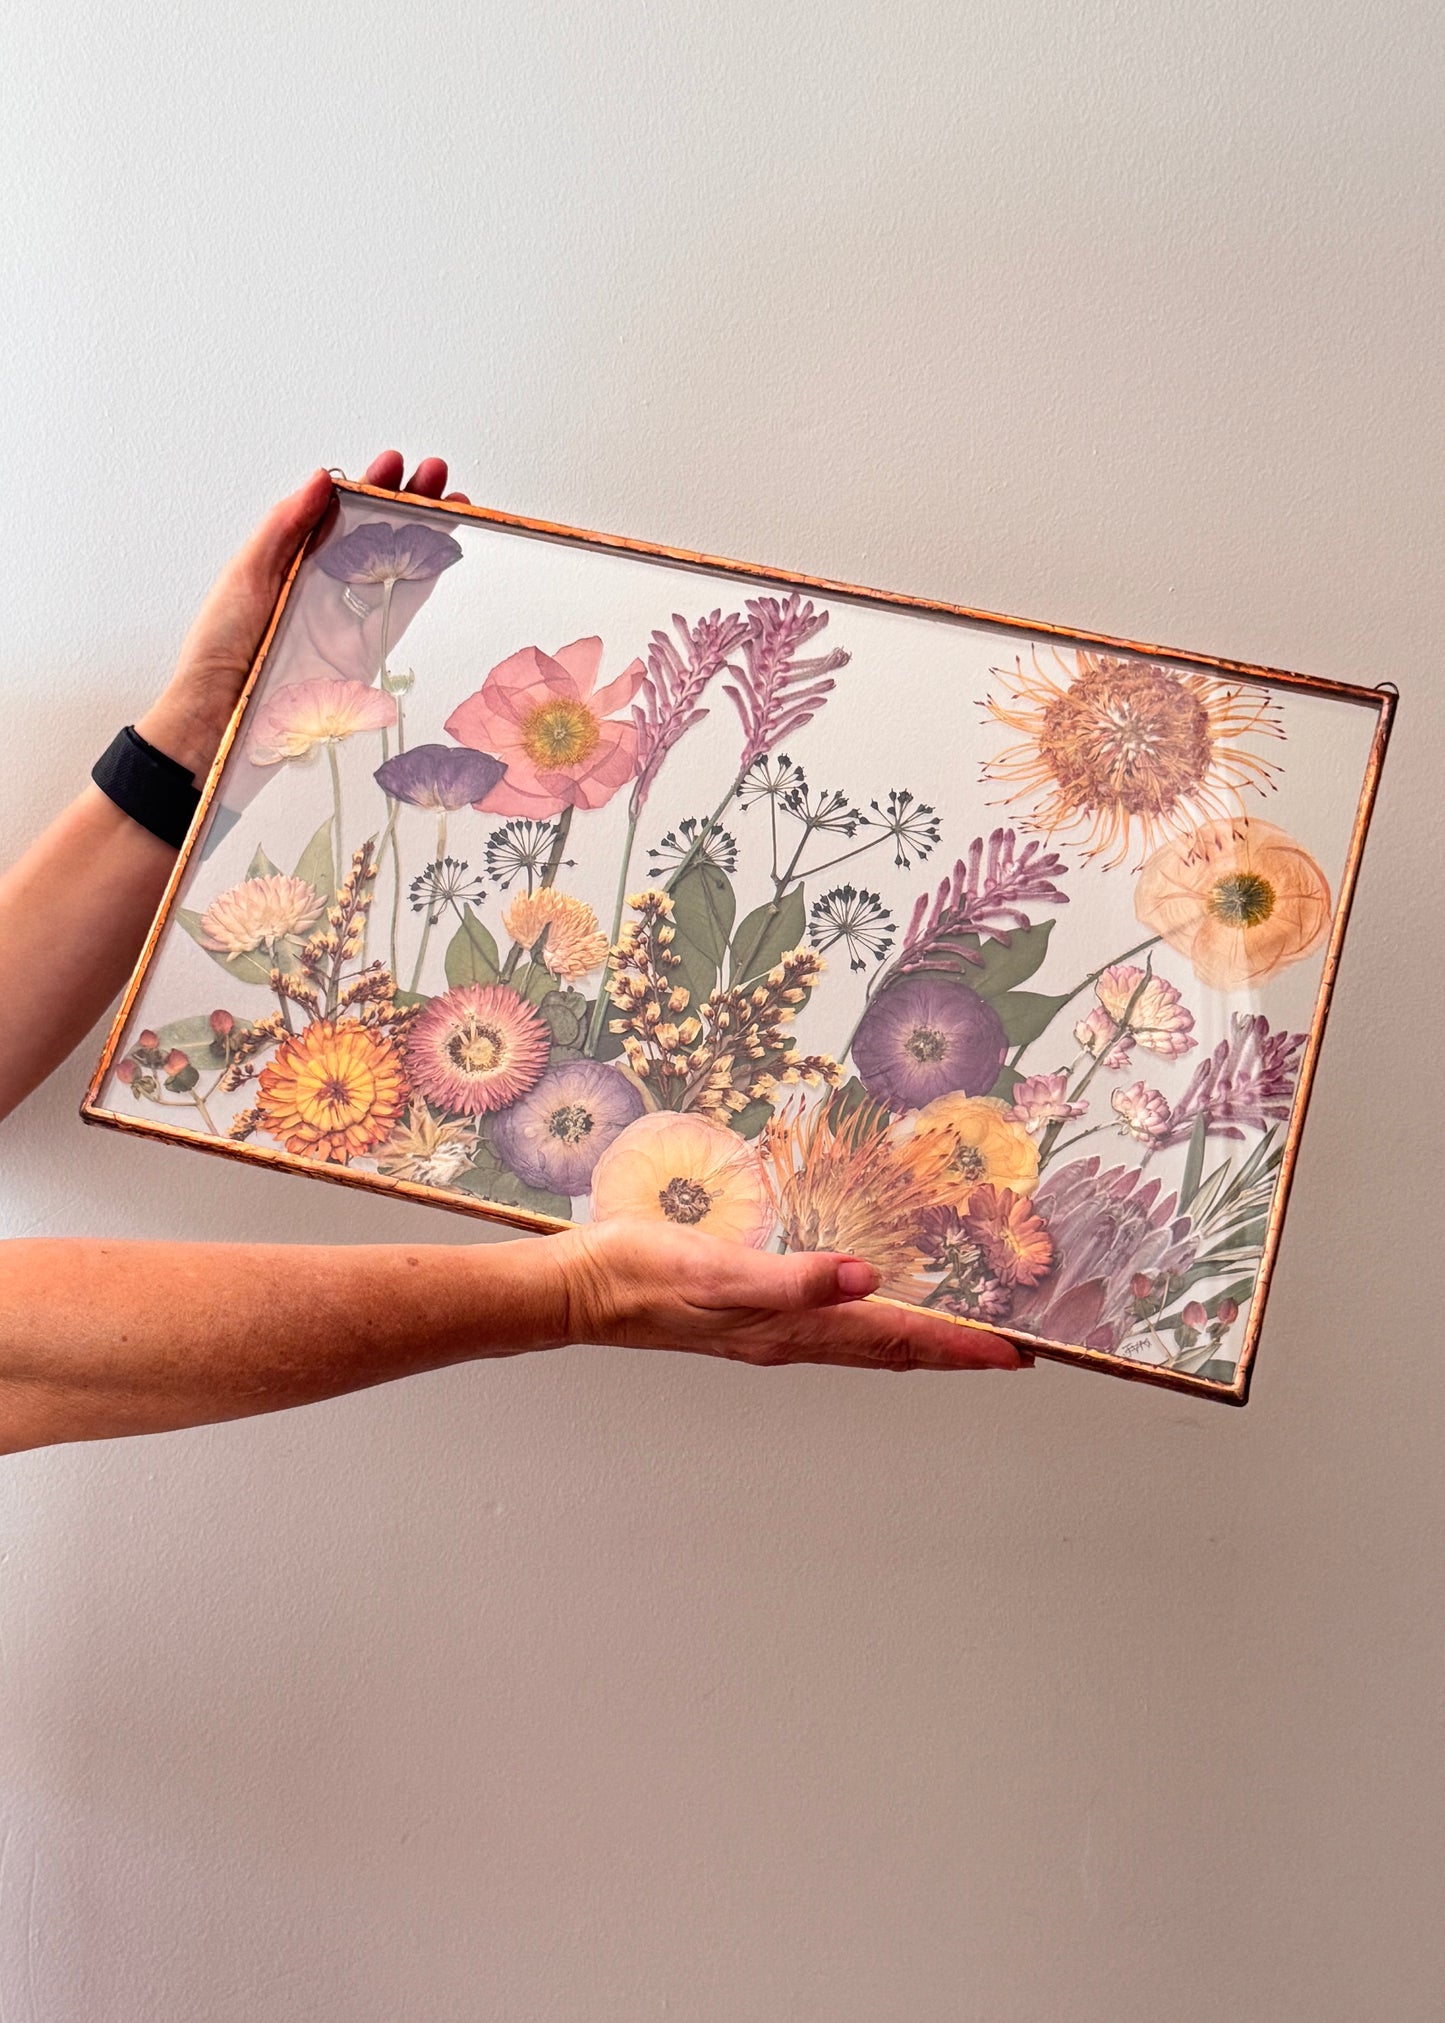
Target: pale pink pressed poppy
{"points": [[296, 719], [553, 729]]}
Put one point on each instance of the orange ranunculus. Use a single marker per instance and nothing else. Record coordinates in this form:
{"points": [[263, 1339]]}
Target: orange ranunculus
{"points": [[1240, 898], [985, 1143]]}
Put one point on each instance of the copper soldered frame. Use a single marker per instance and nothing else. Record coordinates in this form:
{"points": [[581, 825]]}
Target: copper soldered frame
{"points": [[1382, 700]]}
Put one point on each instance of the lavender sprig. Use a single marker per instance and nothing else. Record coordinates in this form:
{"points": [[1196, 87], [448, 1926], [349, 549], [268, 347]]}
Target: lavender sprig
{"points": [[673, 686], [776, 693], [986, 893], [1247, 1083]]}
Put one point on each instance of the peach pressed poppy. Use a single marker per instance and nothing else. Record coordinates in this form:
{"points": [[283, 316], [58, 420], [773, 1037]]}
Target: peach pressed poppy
{"points": [[544, 717], [985, 1143], [671, 1167], [1240, 898], [296, 719]]}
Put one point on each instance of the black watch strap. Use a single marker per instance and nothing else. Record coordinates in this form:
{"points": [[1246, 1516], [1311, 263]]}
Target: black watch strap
{"points": [[153, 790]]}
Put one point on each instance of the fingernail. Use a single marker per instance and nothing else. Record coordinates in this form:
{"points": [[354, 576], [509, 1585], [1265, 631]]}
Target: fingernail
{"points": [[855, 1278]]}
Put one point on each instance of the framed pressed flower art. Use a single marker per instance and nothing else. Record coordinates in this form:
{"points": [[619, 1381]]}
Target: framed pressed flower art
{"points": [[549, 876]]}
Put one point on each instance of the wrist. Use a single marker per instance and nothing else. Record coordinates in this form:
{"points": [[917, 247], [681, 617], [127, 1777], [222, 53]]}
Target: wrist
{"points": [[526, 1288], [189, 735]]}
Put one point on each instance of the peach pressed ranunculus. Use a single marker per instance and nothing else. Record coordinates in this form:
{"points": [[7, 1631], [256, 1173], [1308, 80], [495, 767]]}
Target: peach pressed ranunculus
{"points": [[293, 721], [986, 1144], [668, 1167], [544, 717], [1240, 898]]}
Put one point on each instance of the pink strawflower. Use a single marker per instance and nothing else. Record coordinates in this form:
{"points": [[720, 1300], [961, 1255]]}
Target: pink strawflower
{"points": [[476, 1048], [1040, 1100], [1156, 1016], [1143, 1113], [542, 715], [1099, 1034]]}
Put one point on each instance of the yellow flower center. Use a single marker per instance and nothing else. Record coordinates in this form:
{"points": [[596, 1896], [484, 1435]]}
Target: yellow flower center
{"points": [[559, 733], [570, 1122], [476, 1049], [1244, 899], [684, 1200]]}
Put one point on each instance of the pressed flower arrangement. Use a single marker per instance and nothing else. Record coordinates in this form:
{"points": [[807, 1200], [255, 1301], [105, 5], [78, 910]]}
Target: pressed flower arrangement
{"points": [[802, 915]]}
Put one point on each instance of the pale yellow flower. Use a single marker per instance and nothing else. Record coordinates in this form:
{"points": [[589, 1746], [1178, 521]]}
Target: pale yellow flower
{"points": [[258, 912], [671, 1167], [429, 1149], [296, 719], [575, 943]]}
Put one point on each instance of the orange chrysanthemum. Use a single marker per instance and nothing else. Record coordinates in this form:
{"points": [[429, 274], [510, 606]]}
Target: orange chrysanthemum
{"points": [[332, 1092], [575, 943], [1123, 744], [1241, 899], [1015, 1244]]}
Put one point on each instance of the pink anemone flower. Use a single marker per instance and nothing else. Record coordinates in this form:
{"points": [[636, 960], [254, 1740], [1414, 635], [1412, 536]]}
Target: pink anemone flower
{"points": [[554, 730]]}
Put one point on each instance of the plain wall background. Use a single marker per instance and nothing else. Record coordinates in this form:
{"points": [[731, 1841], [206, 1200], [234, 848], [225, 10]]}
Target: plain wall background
{"points": [[598, 1686]]}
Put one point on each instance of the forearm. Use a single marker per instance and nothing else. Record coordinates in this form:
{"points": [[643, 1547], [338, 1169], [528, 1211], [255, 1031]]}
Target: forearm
{"points": [[74, 911], [100, 1338]]}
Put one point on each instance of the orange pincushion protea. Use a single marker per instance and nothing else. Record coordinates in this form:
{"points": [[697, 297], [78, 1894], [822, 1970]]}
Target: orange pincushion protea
{"points": [[1125, 743], [1241, 899], [332, 1092]]}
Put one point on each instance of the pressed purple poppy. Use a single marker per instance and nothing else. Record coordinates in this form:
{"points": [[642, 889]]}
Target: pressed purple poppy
{"points": [[925, 1036], [558, 1131], [444, 777], [377, 552]]}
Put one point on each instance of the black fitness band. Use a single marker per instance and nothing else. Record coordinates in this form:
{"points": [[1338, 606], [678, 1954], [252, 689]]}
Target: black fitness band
{"points": [[153, 790]]}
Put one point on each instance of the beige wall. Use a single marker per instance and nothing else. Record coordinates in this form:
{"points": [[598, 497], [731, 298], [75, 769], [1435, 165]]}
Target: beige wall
{"points": [[605, 1687]]}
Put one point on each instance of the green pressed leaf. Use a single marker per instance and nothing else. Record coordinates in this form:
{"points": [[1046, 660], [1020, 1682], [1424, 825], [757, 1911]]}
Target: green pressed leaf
{"points": [[261, 865], [489, 1180], [766, 934], [245, 968], [406, 998], [1218, 1372], [1008, 1081], [195, 1036], [703, 910], [565, 1013], [748, 1122], [1194, 1162], [315, 865], [471, 954], [1027, 1015], [1007, 964]]}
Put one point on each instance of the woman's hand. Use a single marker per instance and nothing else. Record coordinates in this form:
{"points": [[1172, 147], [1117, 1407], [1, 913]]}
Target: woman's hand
{"points": [[646, 1285], [187, 719]]}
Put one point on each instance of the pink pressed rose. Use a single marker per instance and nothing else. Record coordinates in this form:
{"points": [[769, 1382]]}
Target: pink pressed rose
{"points": [[541, 714]]}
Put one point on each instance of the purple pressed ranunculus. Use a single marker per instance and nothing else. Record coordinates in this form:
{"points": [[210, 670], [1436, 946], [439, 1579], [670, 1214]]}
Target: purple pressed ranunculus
{"points": [[377, 552], [554, 1136], [926, 1036], [443, 777]]}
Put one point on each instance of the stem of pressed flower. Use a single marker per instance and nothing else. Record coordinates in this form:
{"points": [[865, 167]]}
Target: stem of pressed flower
{"points": [[549, 872], [1077, 1139], [336, 802], [1051, 1135], [739, 977], [428, 917], [1091, 979], [704, 832], [599, 1010], [388, 585], [206, 1117]]}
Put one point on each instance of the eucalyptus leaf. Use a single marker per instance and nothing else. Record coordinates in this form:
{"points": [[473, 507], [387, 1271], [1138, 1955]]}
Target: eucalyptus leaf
{"points": [[315, 865], [1008, 1081], [565, 1013], [471, 955], [490, 1180], [261, 865], [766, 935]]}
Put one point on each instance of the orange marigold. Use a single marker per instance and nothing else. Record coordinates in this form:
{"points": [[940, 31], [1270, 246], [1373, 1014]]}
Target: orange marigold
{"points": [[1016, 1246], [333, 1091]]}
